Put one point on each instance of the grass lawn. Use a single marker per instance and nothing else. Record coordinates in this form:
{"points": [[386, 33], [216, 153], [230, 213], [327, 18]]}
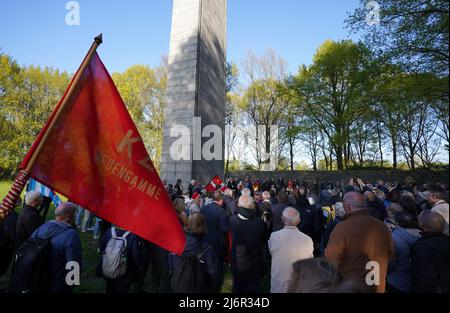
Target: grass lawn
{"points": [[4, 188], [90, 283]]}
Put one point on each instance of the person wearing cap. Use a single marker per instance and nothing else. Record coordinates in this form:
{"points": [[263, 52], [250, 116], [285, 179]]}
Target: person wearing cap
{"points": [[438, 205], [194, 206], [422, 201]]}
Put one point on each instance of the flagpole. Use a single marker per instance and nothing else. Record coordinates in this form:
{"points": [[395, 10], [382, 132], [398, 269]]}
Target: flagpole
{"points": [[10, 199], [97, 42]]}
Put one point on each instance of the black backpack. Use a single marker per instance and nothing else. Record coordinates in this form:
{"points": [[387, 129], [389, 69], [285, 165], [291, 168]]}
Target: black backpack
{"points": [[30, 266], [191, 276]]}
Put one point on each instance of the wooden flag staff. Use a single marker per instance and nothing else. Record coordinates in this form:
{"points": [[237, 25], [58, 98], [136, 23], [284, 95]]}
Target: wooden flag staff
{"points": [[9, 201], [97, 41]]}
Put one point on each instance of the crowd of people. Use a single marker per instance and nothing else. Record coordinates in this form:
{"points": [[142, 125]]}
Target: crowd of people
{"points": [[352, 237]]}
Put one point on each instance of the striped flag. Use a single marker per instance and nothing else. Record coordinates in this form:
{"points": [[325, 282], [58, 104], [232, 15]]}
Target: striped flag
{"points": [[215, 184], [43, 190]]}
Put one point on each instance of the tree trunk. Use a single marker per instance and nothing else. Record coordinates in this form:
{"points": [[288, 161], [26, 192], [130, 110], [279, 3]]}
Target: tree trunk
{"points": [[339, 161], [314, 162], [394, 153], [291, 151], [380, 143], [413, 165], [227, 164]]}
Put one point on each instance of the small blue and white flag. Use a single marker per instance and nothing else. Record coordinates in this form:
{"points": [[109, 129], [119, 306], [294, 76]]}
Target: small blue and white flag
{"points": [[43, 190]]}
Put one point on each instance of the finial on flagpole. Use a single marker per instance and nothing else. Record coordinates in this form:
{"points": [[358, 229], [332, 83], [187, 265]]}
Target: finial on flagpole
{"points": [[99, 38]]}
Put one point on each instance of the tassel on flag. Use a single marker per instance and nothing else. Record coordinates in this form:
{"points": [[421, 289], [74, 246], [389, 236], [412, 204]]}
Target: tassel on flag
{"points": [[13, 195]]}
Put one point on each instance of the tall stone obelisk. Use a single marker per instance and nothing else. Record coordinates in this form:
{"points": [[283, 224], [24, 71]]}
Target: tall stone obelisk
{"points": [[196, 85]]}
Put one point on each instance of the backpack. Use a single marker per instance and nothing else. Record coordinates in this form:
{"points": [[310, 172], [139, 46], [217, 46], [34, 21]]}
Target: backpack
{"points": [[30, 266], [191, 276], [114, 259]]}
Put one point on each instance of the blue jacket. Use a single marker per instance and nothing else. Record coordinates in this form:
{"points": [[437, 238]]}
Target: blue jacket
{"points": [[65, 247], [217, 224], [399, 272]]}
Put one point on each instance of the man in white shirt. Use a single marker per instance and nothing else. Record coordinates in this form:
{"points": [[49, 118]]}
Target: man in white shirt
{"points": [[438, 205], [287, 246]]}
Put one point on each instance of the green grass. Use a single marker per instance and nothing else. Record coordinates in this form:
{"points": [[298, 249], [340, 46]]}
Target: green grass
{"points": [[4, 188], [89, 283]]}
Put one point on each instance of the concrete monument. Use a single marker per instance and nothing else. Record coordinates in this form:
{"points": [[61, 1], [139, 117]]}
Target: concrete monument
{"points": [[196, 88]]}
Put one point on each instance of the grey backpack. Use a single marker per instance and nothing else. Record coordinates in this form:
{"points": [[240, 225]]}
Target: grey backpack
{"points": [[115, 256]]}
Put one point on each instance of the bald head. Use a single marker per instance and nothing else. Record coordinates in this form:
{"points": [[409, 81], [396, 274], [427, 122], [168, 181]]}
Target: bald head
{"points": [[353, 201], [369, 196], [430, 221], [65, 212]]}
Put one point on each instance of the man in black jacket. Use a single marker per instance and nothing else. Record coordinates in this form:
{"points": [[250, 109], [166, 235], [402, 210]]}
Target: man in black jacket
{"points": [[250, 236], [277, 210], [29, 219], [217, 225], [7, 235], [430, 255], [136, 259], [375, 206]]}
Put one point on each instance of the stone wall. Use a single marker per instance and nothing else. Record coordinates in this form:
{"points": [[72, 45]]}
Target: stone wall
{"points": [[417, 176]]}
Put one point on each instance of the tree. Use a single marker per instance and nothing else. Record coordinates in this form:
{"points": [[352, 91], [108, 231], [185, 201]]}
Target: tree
{"points": [[231, 111], [413, 34], [10, 79], [333, 90], [143, 90], [264, 99], [310, 136], [28, 95]]}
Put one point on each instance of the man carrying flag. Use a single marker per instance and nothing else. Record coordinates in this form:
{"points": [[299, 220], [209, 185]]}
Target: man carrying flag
{"points": [[48, 196], [102, 163]]}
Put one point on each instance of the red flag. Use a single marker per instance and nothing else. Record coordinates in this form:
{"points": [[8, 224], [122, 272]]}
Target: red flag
{"points": [[95, 156], [214, 184]]}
